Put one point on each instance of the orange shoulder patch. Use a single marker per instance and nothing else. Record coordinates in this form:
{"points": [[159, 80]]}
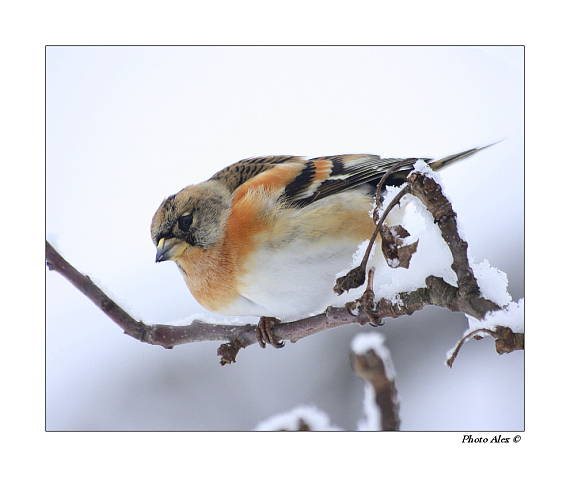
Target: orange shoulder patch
{"points": [[323, 168], [271, 180], [248, 219]]}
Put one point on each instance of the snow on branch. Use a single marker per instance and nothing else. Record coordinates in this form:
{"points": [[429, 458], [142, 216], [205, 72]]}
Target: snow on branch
{"points": [[505, 325], [372, 361], [301, 418], [456, 289]]}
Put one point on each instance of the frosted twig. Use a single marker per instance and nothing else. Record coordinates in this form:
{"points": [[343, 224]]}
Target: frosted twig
{"points": [[374, 365], [506, 341], [464, 340]]}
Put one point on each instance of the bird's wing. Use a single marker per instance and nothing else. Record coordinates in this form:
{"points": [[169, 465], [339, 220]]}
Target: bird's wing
{"points": [[324, 176], [298, 182], [242, 171]]}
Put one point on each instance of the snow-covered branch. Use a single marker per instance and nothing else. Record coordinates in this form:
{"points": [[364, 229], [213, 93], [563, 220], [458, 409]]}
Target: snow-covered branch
{"points": [[505, 325], [467, 295], [371, 360], [301, 418]]}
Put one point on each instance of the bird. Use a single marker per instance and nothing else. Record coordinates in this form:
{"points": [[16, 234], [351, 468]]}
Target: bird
{"points": [[267, 236]]}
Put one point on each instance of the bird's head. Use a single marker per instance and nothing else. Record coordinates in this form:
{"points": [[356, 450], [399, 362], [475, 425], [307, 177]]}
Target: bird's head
{"points": [[193, 217]]}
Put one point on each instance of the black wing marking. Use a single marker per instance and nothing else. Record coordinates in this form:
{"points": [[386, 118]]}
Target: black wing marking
{"points": [[345, 172]]}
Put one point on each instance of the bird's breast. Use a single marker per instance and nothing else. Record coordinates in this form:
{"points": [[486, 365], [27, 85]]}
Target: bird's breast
{"points": [[279, 263]]}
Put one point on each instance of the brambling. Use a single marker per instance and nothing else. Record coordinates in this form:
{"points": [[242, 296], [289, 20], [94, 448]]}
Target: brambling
{"points": [[267, 236]]}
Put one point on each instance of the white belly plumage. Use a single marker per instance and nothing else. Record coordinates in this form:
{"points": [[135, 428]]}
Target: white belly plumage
{"points": [[293, 282]]}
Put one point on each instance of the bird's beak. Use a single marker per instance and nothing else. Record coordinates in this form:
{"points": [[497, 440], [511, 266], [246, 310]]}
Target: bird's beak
{"points": [[169, 249]]}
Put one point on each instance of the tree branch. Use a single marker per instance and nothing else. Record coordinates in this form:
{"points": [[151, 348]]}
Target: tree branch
{"points": [[465, 298], [370, 367]]}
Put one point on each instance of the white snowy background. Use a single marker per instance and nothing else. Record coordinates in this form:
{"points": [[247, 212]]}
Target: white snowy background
{"points": [[128, 126]]}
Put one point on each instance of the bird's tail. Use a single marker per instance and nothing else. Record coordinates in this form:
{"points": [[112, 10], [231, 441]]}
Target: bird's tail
{"points": [[446, 161]]}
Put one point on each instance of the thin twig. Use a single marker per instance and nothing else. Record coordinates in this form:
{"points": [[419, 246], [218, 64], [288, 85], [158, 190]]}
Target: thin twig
{"points": [[383, 180], [355, 277], [464, 340], [405, 190]]}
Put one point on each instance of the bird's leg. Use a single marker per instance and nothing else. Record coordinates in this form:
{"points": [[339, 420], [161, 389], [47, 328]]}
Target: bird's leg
{"points": [[264, 332]]}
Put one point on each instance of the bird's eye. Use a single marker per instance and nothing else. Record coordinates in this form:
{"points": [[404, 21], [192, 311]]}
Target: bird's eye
{"points": [[184, 222]]}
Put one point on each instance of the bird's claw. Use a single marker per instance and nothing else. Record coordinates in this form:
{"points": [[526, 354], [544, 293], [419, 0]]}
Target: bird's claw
{"points": [[264, 332]]}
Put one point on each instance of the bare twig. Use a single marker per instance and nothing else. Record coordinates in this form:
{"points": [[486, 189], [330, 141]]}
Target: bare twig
{"points": [[506, 341], [464, 340]]}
